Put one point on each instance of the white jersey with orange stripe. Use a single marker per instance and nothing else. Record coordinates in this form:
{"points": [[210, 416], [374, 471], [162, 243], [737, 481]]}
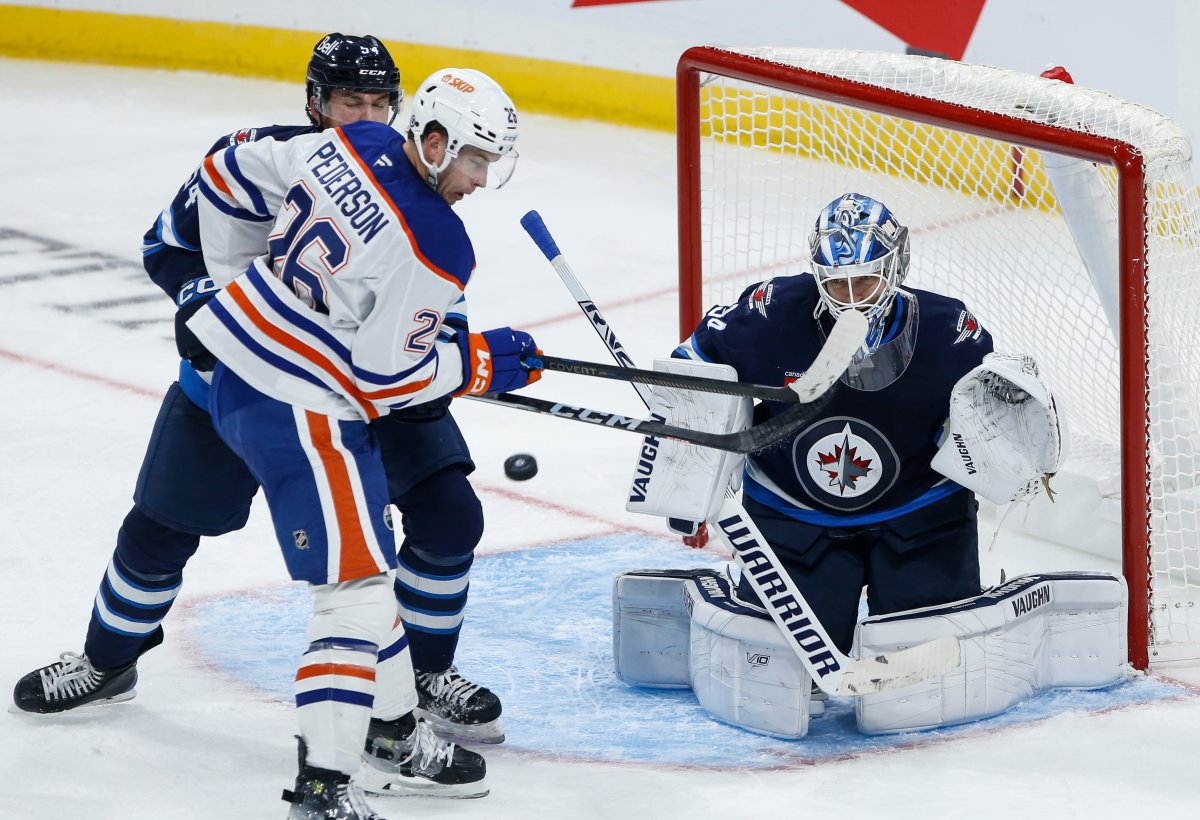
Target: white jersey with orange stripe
{"points": [[364, 261]]}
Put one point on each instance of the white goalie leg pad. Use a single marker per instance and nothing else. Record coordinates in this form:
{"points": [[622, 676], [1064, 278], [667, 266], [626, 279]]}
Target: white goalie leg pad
{"points": [[1005, 435], [742, 670], [1034, 633], [675, 479], [651, 626]]}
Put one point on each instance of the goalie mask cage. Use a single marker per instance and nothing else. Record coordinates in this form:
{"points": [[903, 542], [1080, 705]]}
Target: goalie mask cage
{"points": [[767, 137]]}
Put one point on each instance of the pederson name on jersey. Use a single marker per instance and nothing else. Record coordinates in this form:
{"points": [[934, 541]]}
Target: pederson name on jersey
{"points": [[347, 191]]}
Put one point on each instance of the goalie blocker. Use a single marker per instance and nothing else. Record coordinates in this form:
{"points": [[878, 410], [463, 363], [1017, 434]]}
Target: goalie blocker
{"points": [[680, 628], [682, 481]]}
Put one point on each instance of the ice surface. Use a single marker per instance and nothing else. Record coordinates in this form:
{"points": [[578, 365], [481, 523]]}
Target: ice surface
{"points": [[89, 156]]}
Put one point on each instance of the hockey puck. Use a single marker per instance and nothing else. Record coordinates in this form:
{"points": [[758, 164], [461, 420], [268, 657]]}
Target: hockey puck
{"points": [[520, 467]]}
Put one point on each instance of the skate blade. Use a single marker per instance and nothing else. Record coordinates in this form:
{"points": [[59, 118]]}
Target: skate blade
{"points": [[74, 710], [492, 732], [378, 783]]}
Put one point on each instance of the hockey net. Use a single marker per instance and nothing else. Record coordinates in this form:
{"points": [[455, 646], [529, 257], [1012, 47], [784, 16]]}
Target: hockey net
{"points": [[959, 153]]}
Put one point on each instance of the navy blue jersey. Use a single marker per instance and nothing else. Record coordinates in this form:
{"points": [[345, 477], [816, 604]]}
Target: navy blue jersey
{"points": [[866, 457], [171, 248]]}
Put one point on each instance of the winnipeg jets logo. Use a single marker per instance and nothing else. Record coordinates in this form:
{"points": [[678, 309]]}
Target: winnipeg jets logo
{"points": [[761, 298], [245, 135], [844, 463], [968, 327]]}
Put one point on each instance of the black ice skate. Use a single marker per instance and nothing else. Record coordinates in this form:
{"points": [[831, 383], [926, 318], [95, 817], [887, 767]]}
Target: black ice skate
{"points": [[71, 682], [325, 794], [405, 757], [458, 708], [74, 681]]}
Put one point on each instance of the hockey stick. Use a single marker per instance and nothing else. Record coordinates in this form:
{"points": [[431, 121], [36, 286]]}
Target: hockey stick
{"points": [[750, 440], [836, 673], [833, 671], [540, 234], [845, 338], [662, 379]]}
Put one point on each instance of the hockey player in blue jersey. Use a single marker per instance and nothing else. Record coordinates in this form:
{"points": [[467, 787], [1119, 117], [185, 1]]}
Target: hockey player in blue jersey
{"points": [[191, 484], [851, 500]]}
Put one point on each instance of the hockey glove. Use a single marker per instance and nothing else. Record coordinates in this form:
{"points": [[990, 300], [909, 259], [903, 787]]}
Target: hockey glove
{"points": [[492, 361], [193, 296]]}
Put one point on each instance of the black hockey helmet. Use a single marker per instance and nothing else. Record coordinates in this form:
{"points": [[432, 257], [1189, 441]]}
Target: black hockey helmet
{"points": [[354, 64]]}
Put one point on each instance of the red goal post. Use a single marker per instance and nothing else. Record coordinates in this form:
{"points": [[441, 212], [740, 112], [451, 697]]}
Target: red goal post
{"points": [[768, 136]]}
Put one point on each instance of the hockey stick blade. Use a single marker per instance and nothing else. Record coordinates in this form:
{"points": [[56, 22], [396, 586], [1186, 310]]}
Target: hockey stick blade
{"points": [[750, 440], [834, 672], [847, 336]]}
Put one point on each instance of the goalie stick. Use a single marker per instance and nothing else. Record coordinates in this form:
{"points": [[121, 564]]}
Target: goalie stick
{"points": [[833, 672]]}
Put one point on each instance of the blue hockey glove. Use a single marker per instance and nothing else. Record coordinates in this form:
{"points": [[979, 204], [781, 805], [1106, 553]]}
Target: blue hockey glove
{"points": [[492, 361], [193, 296]]}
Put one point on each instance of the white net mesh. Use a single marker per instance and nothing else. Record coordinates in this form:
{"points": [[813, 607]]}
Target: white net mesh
{"points": [[987, 228]]}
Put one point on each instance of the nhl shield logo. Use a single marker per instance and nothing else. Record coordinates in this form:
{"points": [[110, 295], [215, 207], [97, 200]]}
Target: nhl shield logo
{"points": [[844, 463], [300, 537]]}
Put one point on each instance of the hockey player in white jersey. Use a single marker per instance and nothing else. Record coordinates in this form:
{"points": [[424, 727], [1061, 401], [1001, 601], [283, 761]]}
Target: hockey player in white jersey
{"points": [[339, 323], [191, 484]]}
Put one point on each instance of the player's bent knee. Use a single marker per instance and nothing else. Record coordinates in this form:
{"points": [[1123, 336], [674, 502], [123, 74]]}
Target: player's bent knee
{"points": [[443, 517], [1035, 633], [676, 628]]}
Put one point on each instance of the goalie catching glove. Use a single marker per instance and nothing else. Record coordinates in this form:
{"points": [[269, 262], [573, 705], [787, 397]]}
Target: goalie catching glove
{"points": [[1005, 438], [493, 361]]}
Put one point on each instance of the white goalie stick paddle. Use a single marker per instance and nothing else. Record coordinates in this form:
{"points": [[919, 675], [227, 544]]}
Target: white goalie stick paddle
{"points": [[832, 671]]}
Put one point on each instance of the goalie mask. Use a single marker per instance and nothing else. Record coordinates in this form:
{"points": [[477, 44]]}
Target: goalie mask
{"points": [[353, 64], [859, 257], [473, 110]]}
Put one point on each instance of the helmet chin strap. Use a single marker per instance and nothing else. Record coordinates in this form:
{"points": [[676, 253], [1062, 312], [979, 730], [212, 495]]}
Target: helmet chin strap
{"points": [[431, 170]]}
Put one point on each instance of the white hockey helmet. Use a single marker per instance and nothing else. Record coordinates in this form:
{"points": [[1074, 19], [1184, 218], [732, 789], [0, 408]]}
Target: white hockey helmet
{"points": [[474, 110]]}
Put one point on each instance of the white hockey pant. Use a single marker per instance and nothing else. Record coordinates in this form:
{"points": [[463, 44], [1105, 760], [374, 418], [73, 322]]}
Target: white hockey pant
{"points": [[1034, 633]]}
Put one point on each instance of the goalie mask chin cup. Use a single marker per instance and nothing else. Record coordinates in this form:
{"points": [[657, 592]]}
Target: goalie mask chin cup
{"points": [[860, 256], [473, 110], [353, 64], [888, 359]]}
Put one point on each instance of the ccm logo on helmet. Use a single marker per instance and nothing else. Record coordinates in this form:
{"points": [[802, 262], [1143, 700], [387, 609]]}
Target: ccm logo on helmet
{"points": [[457, 82]]}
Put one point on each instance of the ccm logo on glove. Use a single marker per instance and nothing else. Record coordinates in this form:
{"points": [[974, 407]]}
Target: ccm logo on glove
{"points": [[492, 361]]}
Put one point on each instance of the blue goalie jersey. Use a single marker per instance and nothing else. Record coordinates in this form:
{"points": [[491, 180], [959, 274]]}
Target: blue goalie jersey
{"points": [[866, 457]]}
